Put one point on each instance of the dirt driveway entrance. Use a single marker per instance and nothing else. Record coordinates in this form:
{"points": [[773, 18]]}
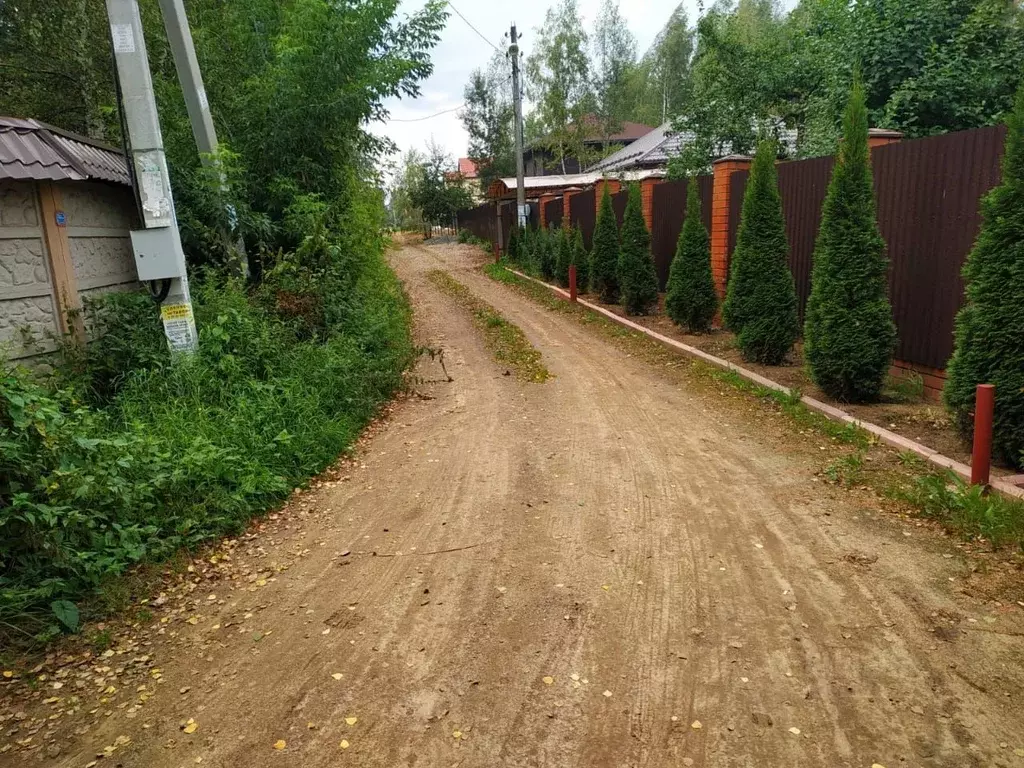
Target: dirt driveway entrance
{"points": [[606, 570]]}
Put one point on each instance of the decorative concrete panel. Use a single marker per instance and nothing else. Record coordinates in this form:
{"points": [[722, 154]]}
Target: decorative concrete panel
{"points": [[22, 263], [18, 204], [27, 326], [102, 261], [105, 206]]}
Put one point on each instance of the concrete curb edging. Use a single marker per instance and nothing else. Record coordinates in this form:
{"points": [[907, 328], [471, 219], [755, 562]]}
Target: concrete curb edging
{"points": [[835, 414]]}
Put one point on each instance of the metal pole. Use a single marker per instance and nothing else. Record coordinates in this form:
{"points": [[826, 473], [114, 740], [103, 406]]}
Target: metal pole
{"points": [[572, 283], [981, 456], [517, 101], [179, 36], [158, 253]]}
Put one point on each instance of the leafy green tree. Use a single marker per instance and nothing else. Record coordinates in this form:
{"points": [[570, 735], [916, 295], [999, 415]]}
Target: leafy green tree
{"points": [[563, 257], [990, 326], [407, 177], [691, 300], [487, 118], [660, 83], [604, 255], [760, 305], [614, 56], [849, 334], [437, 193], [581, 261], [638, 279], [558, 82]]}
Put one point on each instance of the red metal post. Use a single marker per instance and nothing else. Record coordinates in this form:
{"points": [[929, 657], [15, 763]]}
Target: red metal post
{"points": [[572, 282], [981, 456]]}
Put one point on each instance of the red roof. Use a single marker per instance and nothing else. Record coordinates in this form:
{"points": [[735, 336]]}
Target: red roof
{"points": [[467, 168]]}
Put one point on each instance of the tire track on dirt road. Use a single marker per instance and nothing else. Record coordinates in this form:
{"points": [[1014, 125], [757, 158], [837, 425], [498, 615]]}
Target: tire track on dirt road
{"points": [[627, 532]]}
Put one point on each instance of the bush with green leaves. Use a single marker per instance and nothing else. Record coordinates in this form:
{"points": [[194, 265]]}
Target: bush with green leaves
{"points": [[849, 334], [604, 255], [563, 257], [581, 260], [638, 278], [990, 326], [691, 300], [513, 252], [760, 304], [128, 455], [547, 252]]}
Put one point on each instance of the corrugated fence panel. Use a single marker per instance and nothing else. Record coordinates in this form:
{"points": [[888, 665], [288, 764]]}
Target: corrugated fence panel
{"points": [[553, 212], [619, 200], [929, 193], [803, 185], [480, 221], [737, 187], [582, 215], [667, 217]]}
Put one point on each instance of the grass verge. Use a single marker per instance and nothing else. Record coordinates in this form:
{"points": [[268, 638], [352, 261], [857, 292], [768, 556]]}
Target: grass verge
{"points": [[505, 341], [903, 479]]}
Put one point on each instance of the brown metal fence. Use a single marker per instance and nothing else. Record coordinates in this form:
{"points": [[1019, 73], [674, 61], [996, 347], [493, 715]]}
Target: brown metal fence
{"points": [[619, 200], [582, 215], [480, 221], [668, 212], [553, 212], [928, 193]]}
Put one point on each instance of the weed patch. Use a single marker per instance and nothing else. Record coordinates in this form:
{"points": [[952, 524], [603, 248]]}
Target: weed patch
{"points": [[505, 341]]}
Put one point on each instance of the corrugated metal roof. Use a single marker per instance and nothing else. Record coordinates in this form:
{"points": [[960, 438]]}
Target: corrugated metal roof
{"points": [[31, 150]]}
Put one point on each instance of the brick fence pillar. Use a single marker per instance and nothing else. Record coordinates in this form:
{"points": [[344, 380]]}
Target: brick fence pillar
{"points": [[613, 187], [566, 197], [879, 137], [647, 200], [724, 168], [542, 202]]}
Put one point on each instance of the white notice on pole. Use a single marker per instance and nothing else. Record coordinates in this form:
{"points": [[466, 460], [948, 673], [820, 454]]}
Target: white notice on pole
{"points": [[179, 327], [524, 214], [124, 39]]}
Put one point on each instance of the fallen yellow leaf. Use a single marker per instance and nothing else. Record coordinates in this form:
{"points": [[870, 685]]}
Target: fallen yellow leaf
{"points": [[457, 734], [190, 726], [280, 744], [696, 725], [337, 675], [605, 587], [548, 680], [351, 720], [8, 674], [344, 744]]}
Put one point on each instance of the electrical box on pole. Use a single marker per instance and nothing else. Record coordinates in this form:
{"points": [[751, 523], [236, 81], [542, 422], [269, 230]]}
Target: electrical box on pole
{"points": [[157, 247]]}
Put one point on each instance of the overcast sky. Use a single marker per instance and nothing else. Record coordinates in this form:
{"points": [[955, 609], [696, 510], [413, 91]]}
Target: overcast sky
{"points": [[461, 50]]}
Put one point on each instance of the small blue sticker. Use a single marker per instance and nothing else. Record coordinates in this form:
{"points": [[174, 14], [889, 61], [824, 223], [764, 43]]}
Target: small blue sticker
{"points": [[62, 219]]}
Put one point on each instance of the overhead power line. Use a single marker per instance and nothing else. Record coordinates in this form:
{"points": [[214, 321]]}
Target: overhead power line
{"points": [[481, 34], [426, 117]]}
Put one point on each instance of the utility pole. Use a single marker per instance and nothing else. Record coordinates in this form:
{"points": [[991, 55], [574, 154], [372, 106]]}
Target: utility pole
{"points": [[179, 35], [517, 101], [158, 254]]}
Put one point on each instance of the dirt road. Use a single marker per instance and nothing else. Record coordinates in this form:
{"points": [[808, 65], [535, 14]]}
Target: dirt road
{"points": [[606, 570]]}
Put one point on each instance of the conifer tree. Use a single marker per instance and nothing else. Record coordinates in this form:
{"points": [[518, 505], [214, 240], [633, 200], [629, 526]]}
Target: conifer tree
{"points": [[849, 334], [604, 256], [990, 326], [581, 259], [760, 304], [691, 300], [638, 279], [563, 257]]}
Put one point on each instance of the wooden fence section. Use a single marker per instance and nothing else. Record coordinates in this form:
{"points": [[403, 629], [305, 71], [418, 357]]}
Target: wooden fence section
{"points": [[582, 215], [928, 193], [667, 217]]}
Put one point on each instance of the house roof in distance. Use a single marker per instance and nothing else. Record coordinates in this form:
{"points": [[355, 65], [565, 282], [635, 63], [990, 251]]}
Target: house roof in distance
{"points": [[32, 150], [468, 168]]}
